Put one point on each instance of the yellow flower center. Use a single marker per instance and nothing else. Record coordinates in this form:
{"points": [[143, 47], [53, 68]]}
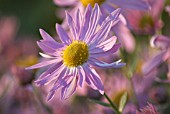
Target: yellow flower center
{"points": [[75, 54], [91, 2]]}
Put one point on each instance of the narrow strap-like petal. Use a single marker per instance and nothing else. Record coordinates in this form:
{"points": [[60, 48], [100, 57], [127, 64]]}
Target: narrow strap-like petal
{"points": [[101, 34], [44, 63], [53, 44], [112, 17], [94, 20], [82, 76], [101, 64], [45, 35], [50, 95], [51, 77], [153, 63], [94, 79], [63, 35], [50, 70], [72, 27], [78, 22], [86, 20], [46, 48]]}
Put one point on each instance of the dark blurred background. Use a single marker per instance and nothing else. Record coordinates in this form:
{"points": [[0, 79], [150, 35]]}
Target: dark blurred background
{"points": [[31, 14]]}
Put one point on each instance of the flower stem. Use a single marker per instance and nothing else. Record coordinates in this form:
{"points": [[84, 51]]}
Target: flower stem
{"points": [[112, 105]]}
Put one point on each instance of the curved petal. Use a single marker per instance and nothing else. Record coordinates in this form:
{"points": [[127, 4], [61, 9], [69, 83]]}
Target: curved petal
{"points": [[160, 41], [45, 35], [102, 64], [153, 63], [63, 35]]}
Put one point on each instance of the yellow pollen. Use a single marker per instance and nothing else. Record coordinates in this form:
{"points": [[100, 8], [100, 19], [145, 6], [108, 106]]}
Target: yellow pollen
{"points": [[75, 54], [91, 2]]}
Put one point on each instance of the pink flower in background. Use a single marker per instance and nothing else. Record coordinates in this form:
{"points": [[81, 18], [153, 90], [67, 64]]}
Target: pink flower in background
{"points": [[71, 62], [8, 30], [162, 42], [107, 6], [146, 22]]}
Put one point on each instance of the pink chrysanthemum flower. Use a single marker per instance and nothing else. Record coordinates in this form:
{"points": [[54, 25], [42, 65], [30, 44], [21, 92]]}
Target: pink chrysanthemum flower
{"points": [[71, 62]]}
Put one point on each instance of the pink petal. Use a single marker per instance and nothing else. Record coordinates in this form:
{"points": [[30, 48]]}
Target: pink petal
{"points": [[65, 2], [63, 35], [86, 20], [93, 23], [101, 64], [94, 79], [44, 63], [78, 21], [104, 46], [46, 48], [103, 53], [82, 76], [71, 24], [68, 90], [45, 35], [50, 70], [53, 76], [50, 95], [153, 63], [160, 41]]}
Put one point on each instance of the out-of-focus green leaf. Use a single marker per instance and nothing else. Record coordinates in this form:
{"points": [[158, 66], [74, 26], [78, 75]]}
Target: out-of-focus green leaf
{"points": [[123, 101]]}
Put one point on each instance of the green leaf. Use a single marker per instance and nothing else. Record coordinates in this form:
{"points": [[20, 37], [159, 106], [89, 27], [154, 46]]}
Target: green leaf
{"points": [[100, 103], [123, 101]]}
